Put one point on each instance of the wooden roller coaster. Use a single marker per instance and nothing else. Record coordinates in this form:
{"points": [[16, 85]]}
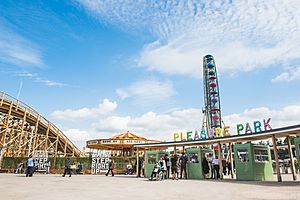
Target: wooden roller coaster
{"points": [[23, 131]]}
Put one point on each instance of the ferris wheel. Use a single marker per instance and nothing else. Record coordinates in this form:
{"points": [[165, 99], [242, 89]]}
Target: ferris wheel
{"points": [[212, 110]]}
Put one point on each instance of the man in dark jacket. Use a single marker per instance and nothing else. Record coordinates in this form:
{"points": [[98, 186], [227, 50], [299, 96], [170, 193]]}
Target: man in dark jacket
{"points": [[205, 167], [139, 168], [174, 162], [111, 166], [183, 161], [167, 160], [67, 168], [224, 166]]}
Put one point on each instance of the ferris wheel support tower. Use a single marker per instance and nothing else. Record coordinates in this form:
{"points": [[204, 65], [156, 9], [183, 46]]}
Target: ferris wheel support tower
{"points": [[212, 110]]}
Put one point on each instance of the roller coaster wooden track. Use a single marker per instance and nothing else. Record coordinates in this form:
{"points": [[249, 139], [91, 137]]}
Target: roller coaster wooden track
{"points": [[23, 130]]}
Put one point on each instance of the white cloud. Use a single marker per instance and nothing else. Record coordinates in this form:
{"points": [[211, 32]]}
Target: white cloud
{"points": [[122, 93], [148, 91], [84, 113], [242, 35], [15, 49], [162, 126], [171, 59], [152, 125], [77, 135], [176, 58], [113, 124], [290, 75], [288, 115], [36, 78]]}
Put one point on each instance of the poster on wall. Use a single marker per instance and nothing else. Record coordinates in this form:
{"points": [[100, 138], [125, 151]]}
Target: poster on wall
{"points": [[40, 159], [100, 161]]}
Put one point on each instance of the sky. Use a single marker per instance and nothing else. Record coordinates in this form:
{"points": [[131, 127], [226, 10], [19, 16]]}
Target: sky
{"points": [[98, 68]]}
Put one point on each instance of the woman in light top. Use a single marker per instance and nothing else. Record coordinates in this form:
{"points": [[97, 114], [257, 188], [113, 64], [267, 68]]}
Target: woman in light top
{"points": [[216, 164]]}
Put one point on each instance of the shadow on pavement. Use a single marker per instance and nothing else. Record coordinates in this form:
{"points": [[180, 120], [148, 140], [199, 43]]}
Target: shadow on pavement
{"points": [[258, 183]]}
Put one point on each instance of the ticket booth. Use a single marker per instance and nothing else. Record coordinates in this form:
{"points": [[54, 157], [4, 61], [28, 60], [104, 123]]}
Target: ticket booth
{"points": [[151, 158], [194, 166], [297, 148], [253, 162]]}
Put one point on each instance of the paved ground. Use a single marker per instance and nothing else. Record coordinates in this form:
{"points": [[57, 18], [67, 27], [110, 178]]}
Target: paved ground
{"points": [[44, 187]]}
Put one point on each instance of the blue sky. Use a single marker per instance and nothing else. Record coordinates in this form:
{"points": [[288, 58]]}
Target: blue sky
{"points": [[97, 68]]}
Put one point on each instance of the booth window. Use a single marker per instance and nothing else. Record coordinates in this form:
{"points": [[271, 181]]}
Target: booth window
{"points": [[151, 158], [242, 155], [193, 157], [261, 155]]}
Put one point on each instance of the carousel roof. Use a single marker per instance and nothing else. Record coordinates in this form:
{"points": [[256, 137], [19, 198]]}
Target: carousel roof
{"points": [[127, 136], [120, 141]]}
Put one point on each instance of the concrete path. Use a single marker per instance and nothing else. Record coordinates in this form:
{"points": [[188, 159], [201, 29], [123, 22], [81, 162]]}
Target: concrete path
{"points": [[81, 187]]}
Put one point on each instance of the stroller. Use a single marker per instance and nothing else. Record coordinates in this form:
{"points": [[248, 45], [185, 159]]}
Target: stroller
{"points": [[157, 173]]}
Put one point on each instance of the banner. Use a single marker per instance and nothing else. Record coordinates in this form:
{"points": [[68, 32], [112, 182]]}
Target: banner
{"points": [[40, 160], [100, 161]]}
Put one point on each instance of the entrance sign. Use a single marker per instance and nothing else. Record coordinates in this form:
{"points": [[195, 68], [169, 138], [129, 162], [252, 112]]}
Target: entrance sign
{"points": [[100, 160], [255, 127], [40, 158]]}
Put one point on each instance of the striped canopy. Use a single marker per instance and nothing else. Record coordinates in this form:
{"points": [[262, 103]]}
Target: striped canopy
{"points": [[126, 136]]}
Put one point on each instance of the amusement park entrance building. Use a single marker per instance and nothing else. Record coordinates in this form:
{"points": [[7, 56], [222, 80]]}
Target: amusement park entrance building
{"points": [[285, 132]]}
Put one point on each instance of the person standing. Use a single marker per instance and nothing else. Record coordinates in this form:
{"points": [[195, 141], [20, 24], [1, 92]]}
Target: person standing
{"points": [[48, 165], [133, 166], [174, 163], [205, 167], [183, 163], [162, 164], [167, 160], [211, 160], [67, 168], [296, 165], [224, 166], [216, 164], [139, 168], [111, 166], [143, 168], [229, 167], [30, 166]]}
